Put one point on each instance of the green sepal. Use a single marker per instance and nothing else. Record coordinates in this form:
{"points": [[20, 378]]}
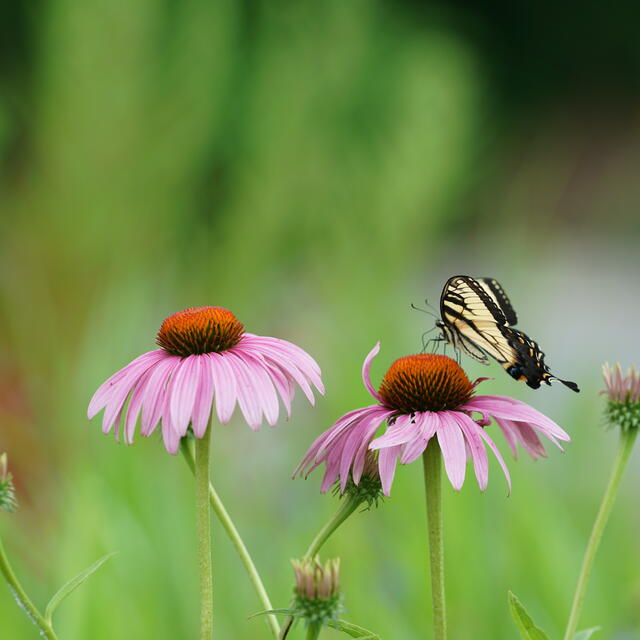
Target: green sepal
{"points": [[524, 622], [585, 634], [276, 612], [353, 630], [72, 585]]}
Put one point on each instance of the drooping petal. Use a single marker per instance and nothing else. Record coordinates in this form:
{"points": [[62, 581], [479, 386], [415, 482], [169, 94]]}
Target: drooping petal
{"points": [[224, 384], [483, 434], [284, 361], [510, 435], [155, 391], [296, 355], [182, 393], [130, 371], [354, 443], [475, 446], [528, 438], [517, 411], [387, 461], [265, 392], [203, 403], [452, 446], [246, 391], [366, 369]]}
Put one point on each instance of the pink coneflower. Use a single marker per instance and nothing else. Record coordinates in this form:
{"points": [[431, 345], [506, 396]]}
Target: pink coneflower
{"points": [[205, 354], [422, 397]]}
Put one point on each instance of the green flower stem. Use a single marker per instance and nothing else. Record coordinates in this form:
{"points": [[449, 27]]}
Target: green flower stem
{"points": [[348, 506], [432, 463], [203, 531], [224, 518], [627, 439], [313, 632], [46, 630]]}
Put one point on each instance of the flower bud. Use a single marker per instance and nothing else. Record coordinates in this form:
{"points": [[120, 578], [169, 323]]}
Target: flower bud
{"points": [[368, 487], [623, 393], [7, 493], [317, 590]]}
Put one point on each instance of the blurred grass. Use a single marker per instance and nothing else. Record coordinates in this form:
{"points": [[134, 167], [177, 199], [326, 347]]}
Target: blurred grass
{"points": [[315, 169]]}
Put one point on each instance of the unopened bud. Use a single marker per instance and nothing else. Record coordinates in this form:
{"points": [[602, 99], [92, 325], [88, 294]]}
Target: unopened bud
{"points": [[623, 393], [7, 493], [317, 590]]}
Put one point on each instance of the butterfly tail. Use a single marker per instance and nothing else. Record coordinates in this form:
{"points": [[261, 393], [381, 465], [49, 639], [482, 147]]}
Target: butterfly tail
{"points": [[567, 383]]}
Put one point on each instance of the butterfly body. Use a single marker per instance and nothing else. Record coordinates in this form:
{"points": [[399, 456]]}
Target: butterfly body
{"points": [[477, 319]]}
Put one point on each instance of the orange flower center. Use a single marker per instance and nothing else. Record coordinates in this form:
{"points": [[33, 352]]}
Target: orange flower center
{"points": [[425, 382], [199, 330]]}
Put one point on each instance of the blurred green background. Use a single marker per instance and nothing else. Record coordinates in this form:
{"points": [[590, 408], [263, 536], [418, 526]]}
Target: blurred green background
{"points": [[315, 167]]}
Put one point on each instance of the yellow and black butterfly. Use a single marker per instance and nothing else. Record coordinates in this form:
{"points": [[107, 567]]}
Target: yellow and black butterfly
{"points": [[477, 319]]}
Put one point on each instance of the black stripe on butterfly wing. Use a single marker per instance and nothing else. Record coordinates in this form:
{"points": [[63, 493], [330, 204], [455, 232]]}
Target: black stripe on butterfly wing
{"points": [[495, 290]]}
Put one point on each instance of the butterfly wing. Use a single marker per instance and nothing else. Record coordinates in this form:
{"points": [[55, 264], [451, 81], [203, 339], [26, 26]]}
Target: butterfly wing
{"points": [[471, 319], [494, 290], [527, 361]]}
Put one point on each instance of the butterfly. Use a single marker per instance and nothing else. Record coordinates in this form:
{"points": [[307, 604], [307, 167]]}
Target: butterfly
{"points": [[477, 319]]}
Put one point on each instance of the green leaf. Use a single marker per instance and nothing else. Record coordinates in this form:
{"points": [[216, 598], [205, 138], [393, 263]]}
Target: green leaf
{"points": [[353, 630], [72, 585], [585, 634], [523, 620], [275, 612]]}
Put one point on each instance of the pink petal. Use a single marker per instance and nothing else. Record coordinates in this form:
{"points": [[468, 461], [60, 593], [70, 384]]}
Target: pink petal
{"points": [[285, 361], [387, 460], [452, 446], [248, 396], [517, 411], [224, 383], [154, 395], [204, 397], [476, 448], [483, 434], [402, 430], [366, 368], [266, 395], [182, 392], [412, 450], [133, 369], [510, 435]]}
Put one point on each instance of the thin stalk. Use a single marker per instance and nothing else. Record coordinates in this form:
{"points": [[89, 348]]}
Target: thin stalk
{"points": [[432, 463], [313, 632], [203, 531], [224, 518], [46, 630], [627, 439], [348, 506]]}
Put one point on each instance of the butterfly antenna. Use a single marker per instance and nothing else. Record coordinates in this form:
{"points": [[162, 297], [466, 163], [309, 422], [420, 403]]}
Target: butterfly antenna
{"points": [[429, 313]]}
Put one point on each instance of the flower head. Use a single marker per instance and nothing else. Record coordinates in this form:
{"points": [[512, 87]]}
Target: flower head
{"points": [[205, 356], [425, 397], [317, 590], [7, 492], [623, 392]]}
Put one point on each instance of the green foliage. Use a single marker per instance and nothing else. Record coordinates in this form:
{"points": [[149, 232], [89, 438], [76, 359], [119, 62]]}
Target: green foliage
{"points": [[523, 621], [72, 585], [353, 630], [586, 633]]}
